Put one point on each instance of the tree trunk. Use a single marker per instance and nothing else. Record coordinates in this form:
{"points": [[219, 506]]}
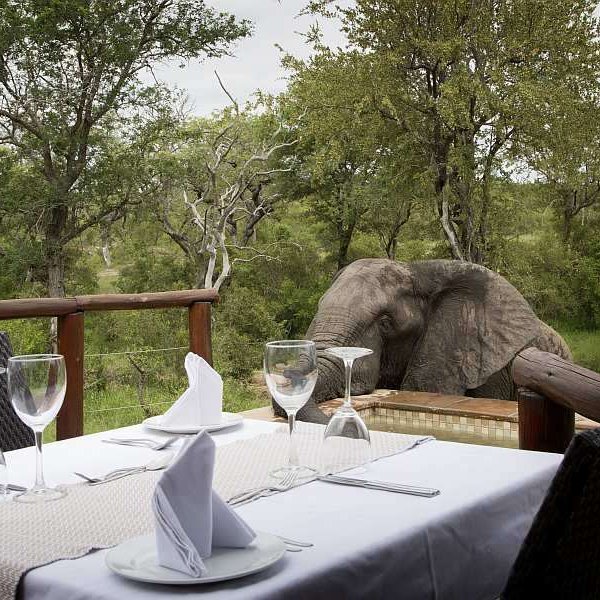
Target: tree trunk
{"points": [[55, 261], [567, 222], [391, 246], [344, 244], [391, 240], [54, 250], [105, 243], [448, 227], [56, 287], [440, 164]]}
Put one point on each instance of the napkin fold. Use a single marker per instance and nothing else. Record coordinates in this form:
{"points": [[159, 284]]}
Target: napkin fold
{"points": [[202, 402], [190, 517]]}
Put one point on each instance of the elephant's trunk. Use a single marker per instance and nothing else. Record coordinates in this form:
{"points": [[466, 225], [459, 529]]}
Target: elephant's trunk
{"points": [[329, 329], [330, 383]]}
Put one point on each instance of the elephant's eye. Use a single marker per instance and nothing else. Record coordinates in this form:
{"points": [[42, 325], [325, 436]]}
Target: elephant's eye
{"points": [[385, 323]]}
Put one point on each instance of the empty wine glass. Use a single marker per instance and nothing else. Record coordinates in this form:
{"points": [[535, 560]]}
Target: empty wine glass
{"points": [[346, 423], [37, 385], [291, 375]]}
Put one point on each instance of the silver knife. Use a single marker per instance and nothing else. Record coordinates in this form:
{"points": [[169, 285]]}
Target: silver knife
{"points": [[382, 485], [11, 487]]}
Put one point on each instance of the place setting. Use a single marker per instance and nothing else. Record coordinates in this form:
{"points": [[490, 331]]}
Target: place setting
{"points": [[171, 509], [199, 408], [187, 415], [171, 517], [198, 538]]}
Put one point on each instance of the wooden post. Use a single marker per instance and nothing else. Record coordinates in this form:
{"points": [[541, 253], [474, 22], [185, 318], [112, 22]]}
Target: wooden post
{"points": [[544, 425], [199, 328], [69, 422]]}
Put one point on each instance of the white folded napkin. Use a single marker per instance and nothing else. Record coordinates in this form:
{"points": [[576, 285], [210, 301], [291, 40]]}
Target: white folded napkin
{"points": [[202, 402], [190, 517]]}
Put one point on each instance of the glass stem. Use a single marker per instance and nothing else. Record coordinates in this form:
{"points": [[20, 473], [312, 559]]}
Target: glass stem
{"points": [[292, 456], [348, 374], [39, 464]]}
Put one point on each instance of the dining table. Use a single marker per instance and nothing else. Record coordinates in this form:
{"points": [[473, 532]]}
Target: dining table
{"points": [[365, 543]]}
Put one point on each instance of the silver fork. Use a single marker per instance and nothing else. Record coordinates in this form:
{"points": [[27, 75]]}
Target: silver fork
{"points": [[154, 465], [286, 483], [143, 442]]}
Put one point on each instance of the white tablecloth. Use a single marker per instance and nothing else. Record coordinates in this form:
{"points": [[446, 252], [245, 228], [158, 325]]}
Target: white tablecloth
{"points": [[368, 544]]}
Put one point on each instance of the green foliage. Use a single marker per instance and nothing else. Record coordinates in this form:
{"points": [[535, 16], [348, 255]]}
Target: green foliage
{"points": [[27, 336], [466, 87], [585, 280], [370, 157], [584, 344], [562, 284], [242, 325], [76, 112]]}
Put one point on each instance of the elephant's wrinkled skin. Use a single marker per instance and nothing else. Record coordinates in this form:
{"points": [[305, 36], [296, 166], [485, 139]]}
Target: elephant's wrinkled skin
{"points": [[434, 326]]}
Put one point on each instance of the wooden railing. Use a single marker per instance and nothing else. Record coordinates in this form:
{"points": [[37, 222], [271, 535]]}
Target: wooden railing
{"points": [[71, 316], [551, 390]]}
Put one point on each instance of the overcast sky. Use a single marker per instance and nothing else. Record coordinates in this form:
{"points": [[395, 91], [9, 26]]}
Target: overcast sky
{"points": [[256, 61]]}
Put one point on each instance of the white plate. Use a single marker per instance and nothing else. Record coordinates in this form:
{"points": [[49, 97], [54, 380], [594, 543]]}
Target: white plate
{"points": [[136, 559], [227, 420]]}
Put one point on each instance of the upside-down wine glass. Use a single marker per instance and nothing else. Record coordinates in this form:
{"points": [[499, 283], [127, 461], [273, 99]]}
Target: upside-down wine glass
{"points": [[291, 375], [37, 385], [346, 422]]}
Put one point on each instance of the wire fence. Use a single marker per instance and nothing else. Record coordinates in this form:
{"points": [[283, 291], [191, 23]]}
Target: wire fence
{"points": [[125, 387]]}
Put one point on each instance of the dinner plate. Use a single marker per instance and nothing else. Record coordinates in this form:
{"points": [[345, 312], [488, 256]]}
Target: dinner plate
{"points": [[227, 420], [136, 559]]}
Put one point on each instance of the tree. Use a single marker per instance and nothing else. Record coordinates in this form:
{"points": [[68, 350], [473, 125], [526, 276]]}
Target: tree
{"points": [[214, 188], [393, 197], [68, 75], [565, 153], [342, 151], [467, 80]]}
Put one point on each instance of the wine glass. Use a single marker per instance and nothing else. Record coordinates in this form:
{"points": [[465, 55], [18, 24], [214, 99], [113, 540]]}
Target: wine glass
{"points": [[291, 375], [3, 476], [346, 422], [37, 385]]}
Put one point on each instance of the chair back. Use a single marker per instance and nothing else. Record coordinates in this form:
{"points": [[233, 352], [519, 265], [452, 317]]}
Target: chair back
{"points": [[14, 434], [560, 557]]}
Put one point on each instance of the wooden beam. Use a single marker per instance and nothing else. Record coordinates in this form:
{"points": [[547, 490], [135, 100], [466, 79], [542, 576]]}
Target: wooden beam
{"points": [[69, 422], [559, 380], [543, 425], [24, 308], [199, 317], [142, 301], [70, 313]]}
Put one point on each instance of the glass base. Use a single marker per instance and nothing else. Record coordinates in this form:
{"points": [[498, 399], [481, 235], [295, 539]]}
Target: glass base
{"points": [[346, 422], [346, 442], [36, 495], [297, 471]]}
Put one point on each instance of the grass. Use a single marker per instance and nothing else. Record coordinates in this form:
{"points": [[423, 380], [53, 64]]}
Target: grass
{"points": [[584, 344], [119, 406]]}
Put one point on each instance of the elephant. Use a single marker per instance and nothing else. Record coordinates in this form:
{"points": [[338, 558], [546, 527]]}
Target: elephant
{"points": [[443, 326]]}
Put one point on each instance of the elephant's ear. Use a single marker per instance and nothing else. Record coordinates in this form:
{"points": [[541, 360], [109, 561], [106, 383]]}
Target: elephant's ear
{"points": [[477, 323]]}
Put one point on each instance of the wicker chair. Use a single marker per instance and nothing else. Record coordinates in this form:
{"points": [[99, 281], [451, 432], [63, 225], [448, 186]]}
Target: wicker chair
{"points": [[560, 557], [14, 434]]}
